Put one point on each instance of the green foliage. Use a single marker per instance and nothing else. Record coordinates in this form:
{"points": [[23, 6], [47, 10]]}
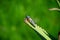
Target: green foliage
{"points": [[13, 12]]}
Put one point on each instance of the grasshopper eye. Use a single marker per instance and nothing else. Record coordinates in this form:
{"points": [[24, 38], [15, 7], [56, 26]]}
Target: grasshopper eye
{"points": [[28, 17], [30, 20]]}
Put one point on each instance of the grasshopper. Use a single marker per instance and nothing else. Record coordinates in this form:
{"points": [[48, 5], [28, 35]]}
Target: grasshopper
{"points": [[34, 26]]}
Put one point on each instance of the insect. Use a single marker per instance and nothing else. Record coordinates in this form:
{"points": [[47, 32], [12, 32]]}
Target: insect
{"points": [[34, 26]]}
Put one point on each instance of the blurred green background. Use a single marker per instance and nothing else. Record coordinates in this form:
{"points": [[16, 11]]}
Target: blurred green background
{"points": [[13, 12]]}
